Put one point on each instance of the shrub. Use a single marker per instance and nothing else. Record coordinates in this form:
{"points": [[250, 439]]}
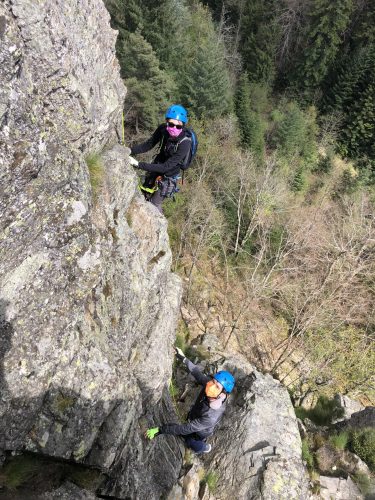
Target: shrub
{"points": [[307, 455], [211, 479], [324, 165], [324, 412], [363, 482], [363, 444], [96, 171], [340, 441]]}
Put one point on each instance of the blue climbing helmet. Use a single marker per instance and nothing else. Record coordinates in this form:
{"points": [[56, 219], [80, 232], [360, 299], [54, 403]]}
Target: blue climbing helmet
{"points": [[226, 379], [177, 112]]}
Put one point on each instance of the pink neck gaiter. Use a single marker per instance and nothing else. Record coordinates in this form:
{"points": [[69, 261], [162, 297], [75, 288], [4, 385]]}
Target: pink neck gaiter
{"points": [[173, 131]]}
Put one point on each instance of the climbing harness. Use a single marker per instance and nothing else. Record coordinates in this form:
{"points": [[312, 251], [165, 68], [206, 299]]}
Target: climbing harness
{"points": [[167, 185]]}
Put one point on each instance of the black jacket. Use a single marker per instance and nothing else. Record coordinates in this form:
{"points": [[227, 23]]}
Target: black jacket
{"points": [[202, 419], [171, 155]]}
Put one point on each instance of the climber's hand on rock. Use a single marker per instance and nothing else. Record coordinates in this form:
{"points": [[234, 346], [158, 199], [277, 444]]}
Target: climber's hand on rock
{"points": [[179, 353], [133, 161], [127, 150], [151, 433]]}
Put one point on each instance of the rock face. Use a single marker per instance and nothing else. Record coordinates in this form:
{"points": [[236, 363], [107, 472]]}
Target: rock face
{"points": [[348, 405], [88, 305], [360, 419], [339, 489]]}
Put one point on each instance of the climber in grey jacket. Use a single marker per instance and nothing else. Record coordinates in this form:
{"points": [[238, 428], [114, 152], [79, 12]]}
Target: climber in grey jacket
{"points": [[206, 412]]}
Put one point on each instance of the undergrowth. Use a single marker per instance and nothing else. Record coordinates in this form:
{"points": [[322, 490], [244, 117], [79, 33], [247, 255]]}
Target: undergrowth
{"points": [[96, 170], [324, 412]]}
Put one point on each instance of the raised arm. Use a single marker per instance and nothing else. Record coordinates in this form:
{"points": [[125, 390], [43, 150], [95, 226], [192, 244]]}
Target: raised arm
{"points": [[200, 377]]}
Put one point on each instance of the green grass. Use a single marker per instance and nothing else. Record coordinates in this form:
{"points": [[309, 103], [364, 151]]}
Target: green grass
{"points": [[340, 441], [323, 413], [211, 479], [89, 479], [307, 455], [19, 470], [173, 389], [363, 482], [362, 442], [40, 473], [96, 170]]}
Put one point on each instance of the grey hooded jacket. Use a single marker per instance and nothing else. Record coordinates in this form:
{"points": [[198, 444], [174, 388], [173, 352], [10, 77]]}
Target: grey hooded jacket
{"points": [[203, 417]]}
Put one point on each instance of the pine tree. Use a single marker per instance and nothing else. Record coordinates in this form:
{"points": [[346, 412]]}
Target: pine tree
{"points": [[164, 29], [295, 133], [125, 14], [259, 38], [324, 33], [205, 85], [250, 122], [149, 88]]}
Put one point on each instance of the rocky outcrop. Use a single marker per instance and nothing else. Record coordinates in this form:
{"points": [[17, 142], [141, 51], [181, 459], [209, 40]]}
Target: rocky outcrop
{"points": [[359, 419], [339, 489], [333, 461], [348, 405], [88, 304]]}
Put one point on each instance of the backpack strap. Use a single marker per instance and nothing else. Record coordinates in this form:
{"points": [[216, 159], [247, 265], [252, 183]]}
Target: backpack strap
{"points": [[186, 138]]}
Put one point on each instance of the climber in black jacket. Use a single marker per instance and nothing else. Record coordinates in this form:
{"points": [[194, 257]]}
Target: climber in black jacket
{"points": [[206, 412], [174, 148]]}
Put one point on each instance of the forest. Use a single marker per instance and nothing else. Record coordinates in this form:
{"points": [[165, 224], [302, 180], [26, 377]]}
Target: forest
{"points": [[273, 230]]}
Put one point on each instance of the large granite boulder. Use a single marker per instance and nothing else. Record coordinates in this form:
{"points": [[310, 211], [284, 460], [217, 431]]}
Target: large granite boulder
{"points": [[359, 419], [339, 488], [88, 305]]}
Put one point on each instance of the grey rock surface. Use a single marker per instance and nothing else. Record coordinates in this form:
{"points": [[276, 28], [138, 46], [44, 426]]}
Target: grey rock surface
{"points": [[332, 461], [88, 305], [359, 419], [349, 405], [68, 491], [338, 488], [257, 449]]}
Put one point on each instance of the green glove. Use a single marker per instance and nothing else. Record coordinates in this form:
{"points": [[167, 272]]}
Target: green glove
{"points": [[151, 433]]}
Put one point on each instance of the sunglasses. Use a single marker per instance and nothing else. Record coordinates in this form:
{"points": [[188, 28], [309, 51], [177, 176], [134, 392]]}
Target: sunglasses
{"points": [[173, 125]]}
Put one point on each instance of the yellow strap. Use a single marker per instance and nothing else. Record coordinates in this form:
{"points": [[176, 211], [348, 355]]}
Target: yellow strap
{"points": [[123, 127], [148, 190]]}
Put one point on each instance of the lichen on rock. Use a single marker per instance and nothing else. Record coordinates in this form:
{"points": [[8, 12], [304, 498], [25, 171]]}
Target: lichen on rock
{"points": [[81, 291]]}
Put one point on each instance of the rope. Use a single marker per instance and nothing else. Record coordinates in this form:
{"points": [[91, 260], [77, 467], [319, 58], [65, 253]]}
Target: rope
{"points": [[123, 127]]}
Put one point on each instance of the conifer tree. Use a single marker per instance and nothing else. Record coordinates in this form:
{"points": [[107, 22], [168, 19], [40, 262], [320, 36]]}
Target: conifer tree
{"points": [[125, 14], [250, 123], [204, 80], [324, 33], [295, 133], [149, 88], [164, 29], [259, 38]]}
